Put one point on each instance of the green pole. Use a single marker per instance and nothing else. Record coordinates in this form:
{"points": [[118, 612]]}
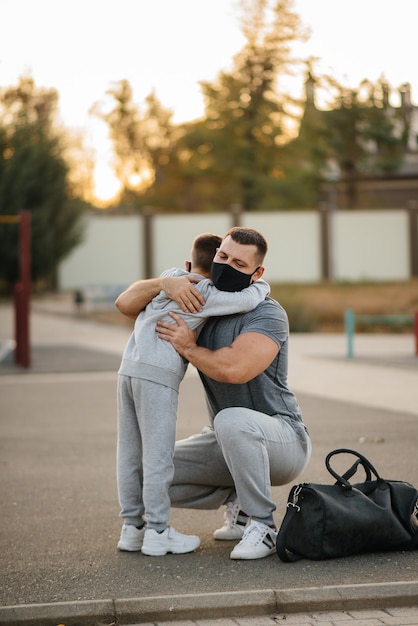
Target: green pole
{"points": [[349, 324]]}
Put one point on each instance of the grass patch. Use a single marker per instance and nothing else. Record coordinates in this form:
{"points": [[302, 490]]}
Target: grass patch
{"points": [[320, 307]]}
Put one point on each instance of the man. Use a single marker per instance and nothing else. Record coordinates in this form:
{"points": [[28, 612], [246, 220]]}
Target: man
{"points": [[257, 438]]}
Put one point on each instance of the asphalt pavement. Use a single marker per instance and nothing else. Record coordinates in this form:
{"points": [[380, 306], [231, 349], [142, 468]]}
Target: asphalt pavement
{"points": [[60, 524]]}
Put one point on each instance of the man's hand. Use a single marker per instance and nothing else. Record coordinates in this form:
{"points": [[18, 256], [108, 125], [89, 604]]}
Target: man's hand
{"points": [[182, 290], [181, 337], [247, 356]]}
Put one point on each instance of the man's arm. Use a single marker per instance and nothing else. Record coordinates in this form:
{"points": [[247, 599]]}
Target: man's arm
{"points": [[178, 288], [230, 364]]}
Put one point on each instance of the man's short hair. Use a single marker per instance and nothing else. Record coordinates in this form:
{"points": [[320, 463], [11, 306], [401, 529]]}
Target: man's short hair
{"points": [[203, 250], [249, 237]]}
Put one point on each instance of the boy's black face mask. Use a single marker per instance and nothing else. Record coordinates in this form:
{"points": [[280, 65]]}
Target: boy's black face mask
{"points": [[227, 278]]}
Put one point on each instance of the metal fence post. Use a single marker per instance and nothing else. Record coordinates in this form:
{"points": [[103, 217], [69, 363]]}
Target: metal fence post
{"points": [[349, 325]]}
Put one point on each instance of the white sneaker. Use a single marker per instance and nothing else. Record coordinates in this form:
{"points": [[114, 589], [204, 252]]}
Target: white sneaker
{"points": [[257, 542], [234, 525], [158, 544], [131, 538]]}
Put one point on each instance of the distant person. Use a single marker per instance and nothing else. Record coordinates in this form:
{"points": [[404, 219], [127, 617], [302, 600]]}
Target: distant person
{"points": [[257, 436], [148, 386], [79, 299]]}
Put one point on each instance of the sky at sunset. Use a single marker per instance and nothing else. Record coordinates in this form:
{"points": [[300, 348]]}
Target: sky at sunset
{"points": [[83, 46]]}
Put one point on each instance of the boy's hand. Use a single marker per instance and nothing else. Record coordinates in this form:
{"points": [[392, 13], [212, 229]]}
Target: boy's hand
{"points": [[182, 290]]}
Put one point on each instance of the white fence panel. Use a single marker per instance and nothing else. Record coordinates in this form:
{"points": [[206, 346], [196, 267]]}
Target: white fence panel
{"points": [[173, 236], [111, 253], [294, 244], [366, 245], [371, 245]]}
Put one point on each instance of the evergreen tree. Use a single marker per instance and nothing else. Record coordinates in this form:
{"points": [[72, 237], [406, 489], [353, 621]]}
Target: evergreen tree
{"points": [[34, 176]]}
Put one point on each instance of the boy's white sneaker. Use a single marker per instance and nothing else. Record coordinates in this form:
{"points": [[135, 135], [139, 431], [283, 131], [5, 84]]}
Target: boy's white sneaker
{"points": [[158, 544], [258, 541], [234, 524], [131, 538]]}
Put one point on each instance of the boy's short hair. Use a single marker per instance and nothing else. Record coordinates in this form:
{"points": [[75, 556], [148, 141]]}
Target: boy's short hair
{"points": [[203, 250]]}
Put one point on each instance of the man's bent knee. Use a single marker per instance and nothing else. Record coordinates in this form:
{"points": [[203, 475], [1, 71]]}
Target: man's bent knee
{"points": [[233, 420]]}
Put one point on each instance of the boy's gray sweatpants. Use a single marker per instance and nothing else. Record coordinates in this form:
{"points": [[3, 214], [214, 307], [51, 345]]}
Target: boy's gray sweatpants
{"points": [[257, 449], [147, 414]]}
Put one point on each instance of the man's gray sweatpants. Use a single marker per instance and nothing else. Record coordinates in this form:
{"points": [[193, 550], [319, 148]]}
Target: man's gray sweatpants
{"points": [[257, 449]]}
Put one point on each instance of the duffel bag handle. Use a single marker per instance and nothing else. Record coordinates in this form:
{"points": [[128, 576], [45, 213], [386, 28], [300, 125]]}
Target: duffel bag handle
{"points": [[361, 460], [353, 469]]}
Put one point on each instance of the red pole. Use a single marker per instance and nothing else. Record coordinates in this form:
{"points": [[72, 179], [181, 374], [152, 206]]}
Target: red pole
{"points": [[22, 293]]}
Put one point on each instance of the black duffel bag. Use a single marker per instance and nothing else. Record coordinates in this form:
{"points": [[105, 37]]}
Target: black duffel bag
{"points": [[329, 521]]}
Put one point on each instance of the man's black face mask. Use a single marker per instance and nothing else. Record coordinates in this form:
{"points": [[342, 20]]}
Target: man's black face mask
{"points": [[227, 278]]}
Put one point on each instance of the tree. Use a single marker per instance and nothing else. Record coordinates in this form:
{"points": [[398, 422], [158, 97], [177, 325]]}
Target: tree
{"points": [[142, 141], [34, 176], [236, 148], [358, 131], [233, 154]]}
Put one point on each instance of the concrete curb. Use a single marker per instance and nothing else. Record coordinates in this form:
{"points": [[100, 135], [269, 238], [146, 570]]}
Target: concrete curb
{"points": [[212, 605]]}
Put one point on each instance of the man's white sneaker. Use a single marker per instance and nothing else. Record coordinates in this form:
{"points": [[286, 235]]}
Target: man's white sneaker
{"points": [[158, 544], [234, 525], [131, 538], [257, 542]]}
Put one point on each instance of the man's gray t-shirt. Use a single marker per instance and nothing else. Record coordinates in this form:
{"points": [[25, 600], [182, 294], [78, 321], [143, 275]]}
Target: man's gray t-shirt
{"points": [[268, 392]]}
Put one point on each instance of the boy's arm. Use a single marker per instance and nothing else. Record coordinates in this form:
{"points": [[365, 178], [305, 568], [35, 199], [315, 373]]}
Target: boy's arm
{"points": [[136, 297], [178, 288], [227, 302]]}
